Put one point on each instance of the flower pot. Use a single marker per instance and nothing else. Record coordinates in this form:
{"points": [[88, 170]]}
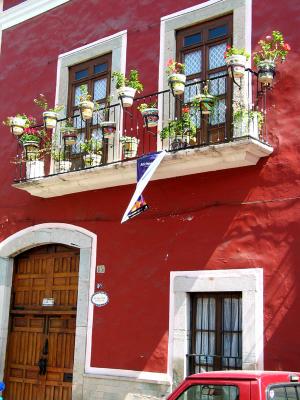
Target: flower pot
{"points": [[62, 166], [126, 95], [92, 160], [236, 65], [86, 108], [34, 169], [266, 71], [50, 119], [69, 136], [150, 116], [17, 124], [108, 128], [130, 146], [206, 102], [177, 83]]}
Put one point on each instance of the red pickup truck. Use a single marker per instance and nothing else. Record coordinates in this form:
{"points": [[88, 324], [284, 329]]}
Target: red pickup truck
{"points": [[239, 385]]}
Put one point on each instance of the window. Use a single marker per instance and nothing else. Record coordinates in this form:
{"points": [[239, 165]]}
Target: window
{"points": [[94, 75], [201, 48], [216, 332], [284, 392], [210, 392]]}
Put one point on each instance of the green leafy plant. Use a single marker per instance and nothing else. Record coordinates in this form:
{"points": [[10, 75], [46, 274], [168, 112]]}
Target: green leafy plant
{"points": [[174, 67], [59, 155], [91, 146], [84, 94], [242, 114], [143, 106], [272, 48], [42, 102], [132, 81], [233, 51], [29, 120], [182, 126]]}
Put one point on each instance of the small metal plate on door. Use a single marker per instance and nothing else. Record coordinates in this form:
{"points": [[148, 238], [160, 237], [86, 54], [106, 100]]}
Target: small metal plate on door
{"points": [[68, 377]]}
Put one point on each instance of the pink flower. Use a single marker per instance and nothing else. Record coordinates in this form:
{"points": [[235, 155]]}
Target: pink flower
{"points": [[268, 38], [286, 47], [228, 47], [170, 62]]}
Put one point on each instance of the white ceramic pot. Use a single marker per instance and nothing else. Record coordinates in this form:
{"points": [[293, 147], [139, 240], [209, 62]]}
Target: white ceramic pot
{"points": [[86, 108], [266, 71], [126, 95], [50, 119], [177, 83], [130, 146], [18, 125], [34, 169], [108, 128], [236, 65], [92, 160], [150, 116]]}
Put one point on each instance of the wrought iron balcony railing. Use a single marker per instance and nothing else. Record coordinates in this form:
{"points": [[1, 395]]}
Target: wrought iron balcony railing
{"points": [[116, 134]]}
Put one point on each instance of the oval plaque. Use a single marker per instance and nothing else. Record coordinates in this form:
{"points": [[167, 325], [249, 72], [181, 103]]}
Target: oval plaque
{"points": [[100, 299]]}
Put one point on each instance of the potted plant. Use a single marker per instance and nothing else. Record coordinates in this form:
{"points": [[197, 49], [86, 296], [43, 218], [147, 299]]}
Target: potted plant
{"points": [[69, 132], [31, 142], [50, 115], [236, 60], [272, 50], [181, 131], [176, 77], [61, 161], [92, 150], [127, 87], [247, 122], [150, 113], [130, 146], [205, 101], [19, 122], [108, 127], [86, 105]]}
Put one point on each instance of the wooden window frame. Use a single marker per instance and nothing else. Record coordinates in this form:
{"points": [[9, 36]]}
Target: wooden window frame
{"points": [[218, 331], [208, 133]]}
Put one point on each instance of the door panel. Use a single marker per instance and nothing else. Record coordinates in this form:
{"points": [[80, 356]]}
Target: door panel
{"points": [[40, 351]]}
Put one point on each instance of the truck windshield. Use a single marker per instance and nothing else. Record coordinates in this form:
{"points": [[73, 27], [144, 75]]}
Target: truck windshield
{"points": [[210, 392]]}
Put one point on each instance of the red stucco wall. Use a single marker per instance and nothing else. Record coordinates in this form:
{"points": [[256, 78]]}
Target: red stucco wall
{"points": [[242, 218]]}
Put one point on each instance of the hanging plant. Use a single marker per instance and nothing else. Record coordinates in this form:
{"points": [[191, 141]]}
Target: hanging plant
{"points": [[236, 60], [50, 115], [127, 87], [176, 77]]}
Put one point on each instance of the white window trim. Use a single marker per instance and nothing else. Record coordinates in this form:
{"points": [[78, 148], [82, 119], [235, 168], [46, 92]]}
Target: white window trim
{"points": [[247, 281], [242, 24], [26, 10]]}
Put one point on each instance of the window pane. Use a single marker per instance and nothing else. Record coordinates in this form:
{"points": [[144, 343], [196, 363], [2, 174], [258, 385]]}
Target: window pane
{"points": [[78, 94], [205, 344], [190, 92], [100, 68], [81, 74], [100, 89], [210, 392], [193, 62], [219, 113], [216, 56], [219, 31], [231, 314], [192, 39], [217, 87], [205, 318]]}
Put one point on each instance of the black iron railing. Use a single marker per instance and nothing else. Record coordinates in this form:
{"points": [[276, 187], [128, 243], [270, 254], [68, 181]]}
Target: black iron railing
{"points": [[204, 362], [116, 134]]}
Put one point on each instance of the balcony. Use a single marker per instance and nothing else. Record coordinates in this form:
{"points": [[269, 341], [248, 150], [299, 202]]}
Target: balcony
{"points": [[195, 142]]}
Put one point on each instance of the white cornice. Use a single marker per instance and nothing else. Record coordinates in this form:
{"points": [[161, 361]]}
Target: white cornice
{"points": [[26, 10]]}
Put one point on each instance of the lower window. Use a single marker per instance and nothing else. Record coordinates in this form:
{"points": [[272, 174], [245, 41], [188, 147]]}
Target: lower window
{"points": [[216, 332]]}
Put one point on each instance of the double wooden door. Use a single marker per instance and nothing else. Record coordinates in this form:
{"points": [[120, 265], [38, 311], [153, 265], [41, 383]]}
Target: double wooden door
{"points": [[40, 351]]}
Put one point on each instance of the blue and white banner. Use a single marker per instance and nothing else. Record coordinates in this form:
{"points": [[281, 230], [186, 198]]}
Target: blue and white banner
{"points": [[146, 166]]}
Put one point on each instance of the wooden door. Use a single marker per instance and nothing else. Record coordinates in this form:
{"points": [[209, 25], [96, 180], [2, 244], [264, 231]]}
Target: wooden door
{"points": [[40, 352]]}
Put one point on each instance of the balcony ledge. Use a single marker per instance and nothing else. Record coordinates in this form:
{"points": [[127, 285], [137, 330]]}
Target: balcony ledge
{"points": [[238, 153]]}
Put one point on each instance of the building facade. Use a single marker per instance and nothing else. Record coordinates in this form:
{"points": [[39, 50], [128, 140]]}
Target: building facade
{"points": [[207, 277]]}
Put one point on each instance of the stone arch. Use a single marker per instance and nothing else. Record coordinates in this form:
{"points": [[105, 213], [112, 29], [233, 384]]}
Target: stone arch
{"points": [[42, 234]]}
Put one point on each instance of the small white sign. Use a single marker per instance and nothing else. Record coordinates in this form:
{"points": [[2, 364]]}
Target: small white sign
{"points": [[100, 299], [48, 302]]}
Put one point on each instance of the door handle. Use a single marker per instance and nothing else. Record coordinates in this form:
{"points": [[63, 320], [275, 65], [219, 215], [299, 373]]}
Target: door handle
{"points": [[42, 366]]}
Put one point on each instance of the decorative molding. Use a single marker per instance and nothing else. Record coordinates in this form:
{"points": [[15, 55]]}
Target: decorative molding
{"points": [[249, 281], [26, 10]]}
